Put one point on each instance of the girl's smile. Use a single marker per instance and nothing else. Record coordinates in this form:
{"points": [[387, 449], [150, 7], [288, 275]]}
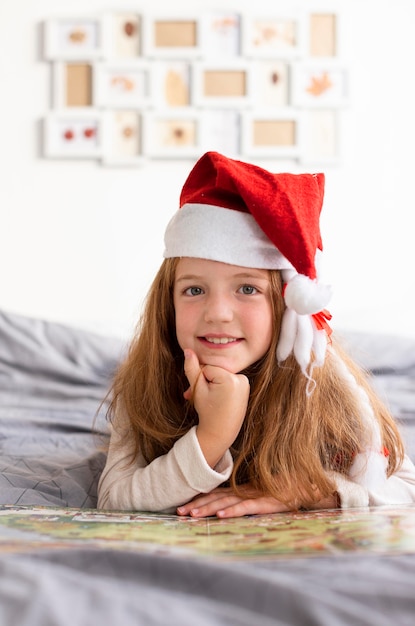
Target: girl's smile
{"points": [[223, 312]]}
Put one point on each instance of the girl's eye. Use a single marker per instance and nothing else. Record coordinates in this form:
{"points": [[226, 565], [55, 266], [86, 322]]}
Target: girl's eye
{"points": [[193, 291], [248, 290]]}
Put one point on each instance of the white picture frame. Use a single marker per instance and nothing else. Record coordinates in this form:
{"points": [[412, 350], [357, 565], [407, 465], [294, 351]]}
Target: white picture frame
{"points": [[172, 133], [221, 131], [222, 84], [221, 34], [72, 83], [320, 83], [122, 138], [176, 36], [322, 143], [173, 84], [122, 33], [120, 85], [271, 83], [281, 35], [73, 134], [324, 34], [272, 134], [72, 38]]}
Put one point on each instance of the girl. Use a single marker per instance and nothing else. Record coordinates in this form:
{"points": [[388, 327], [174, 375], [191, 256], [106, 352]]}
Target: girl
{"points": [[234, 399]]}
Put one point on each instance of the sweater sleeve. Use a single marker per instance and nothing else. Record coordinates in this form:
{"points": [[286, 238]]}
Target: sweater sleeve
{"points": [[397, 489], [162, 485]]}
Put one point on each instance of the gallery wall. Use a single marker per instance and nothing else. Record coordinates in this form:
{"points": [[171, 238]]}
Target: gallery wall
{"points": [[80, 242]]}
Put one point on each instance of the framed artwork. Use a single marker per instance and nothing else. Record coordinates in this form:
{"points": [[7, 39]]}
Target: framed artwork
{"points": [[271, 83], [321, 136], [221, 131], [270, 134], [175, 134], [274, 36], [323, 36], [72, 84], [173, 84], [222, 34], [319, 84], [73, 38], [122, 35], [73, 134], [177, 37], [122, 138], [222, 84], [119, 85]]}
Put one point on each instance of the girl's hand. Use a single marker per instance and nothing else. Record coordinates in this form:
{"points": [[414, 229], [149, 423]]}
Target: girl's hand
{"points": [[220, 399], [223, 503]]}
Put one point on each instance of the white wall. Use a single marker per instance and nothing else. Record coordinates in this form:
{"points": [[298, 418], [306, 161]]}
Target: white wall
{"points": [[80, 243]]}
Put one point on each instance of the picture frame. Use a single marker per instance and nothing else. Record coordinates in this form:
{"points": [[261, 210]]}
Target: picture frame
{"points": [[272, 134], [122, 85], [222, 34], [276, 36], [221, 131], [178, 36], [322, 137], [73, 38], [324, 34], [271, 83], [320, 83], [220, 84], [72, 84], [122, 32], [172, 134], [122, 138], [173, 84], [73, 134]]}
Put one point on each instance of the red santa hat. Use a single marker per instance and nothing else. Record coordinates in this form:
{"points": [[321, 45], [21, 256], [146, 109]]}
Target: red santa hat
{"points": [[242, 214]]}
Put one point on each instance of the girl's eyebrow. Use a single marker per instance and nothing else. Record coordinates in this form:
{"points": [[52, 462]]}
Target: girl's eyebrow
{"points": [[240, 275]]}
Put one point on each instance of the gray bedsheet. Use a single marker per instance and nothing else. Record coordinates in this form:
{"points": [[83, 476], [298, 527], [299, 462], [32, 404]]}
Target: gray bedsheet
{"points": [[52, 381]]}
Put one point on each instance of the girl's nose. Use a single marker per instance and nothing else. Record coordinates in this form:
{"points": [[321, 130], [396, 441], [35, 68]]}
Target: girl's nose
{"points": [[218, 309]]}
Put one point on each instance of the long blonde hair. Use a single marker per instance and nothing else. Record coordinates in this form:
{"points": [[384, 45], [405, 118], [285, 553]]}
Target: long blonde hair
{"points": [[288, 441]]}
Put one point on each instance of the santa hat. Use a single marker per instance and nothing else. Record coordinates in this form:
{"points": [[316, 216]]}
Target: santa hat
{"points": [[241, 214]]}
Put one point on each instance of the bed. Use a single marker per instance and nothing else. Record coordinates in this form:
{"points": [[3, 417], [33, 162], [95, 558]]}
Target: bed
{"points": [[62, 562]]}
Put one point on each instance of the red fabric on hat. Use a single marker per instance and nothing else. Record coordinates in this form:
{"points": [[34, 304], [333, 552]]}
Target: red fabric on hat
{"points": [[286, 206]]}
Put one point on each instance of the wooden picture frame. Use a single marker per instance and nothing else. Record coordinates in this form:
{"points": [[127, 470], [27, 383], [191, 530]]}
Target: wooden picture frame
{"points": [[270, 134], [222, 84], [324, 34], [72, 83], [178, 36]]}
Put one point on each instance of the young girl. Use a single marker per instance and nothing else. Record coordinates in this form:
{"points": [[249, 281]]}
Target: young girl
{"points": [[234, 398]]}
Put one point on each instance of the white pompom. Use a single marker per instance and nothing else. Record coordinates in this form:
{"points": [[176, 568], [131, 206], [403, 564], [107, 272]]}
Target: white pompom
{"points": [[288, 335], [306, 296], [303, 342]]}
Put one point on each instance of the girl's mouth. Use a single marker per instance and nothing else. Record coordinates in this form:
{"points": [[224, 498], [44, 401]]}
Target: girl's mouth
{"points": [[220, 340]]}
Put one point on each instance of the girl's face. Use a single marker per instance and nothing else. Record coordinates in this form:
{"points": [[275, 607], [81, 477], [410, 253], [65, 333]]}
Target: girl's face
{"points": [[223, 312]]}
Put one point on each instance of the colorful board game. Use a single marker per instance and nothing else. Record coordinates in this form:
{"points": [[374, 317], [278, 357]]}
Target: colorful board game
{"points": [[380, 530]]}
